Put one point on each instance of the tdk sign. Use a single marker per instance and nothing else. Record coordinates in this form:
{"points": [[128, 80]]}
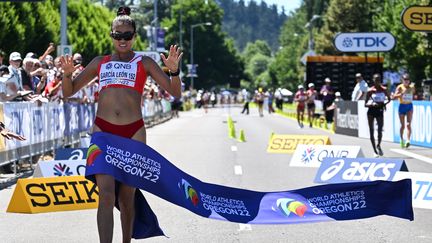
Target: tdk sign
{"points": [[339, 170], [364, 42]]}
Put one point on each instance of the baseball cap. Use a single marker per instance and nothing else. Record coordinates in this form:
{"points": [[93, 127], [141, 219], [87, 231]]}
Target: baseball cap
{"points": [[31, 55], [311, 85], [358, 75], [337, 93], [327, 80], [300, 87], [14, 56]]}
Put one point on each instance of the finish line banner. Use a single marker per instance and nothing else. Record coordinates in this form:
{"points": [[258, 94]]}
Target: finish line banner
{"points": [[138, 165]]}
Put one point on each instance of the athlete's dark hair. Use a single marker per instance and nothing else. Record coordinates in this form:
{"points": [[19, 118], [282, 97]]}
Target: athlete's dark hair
{"points": [[124, 18]]}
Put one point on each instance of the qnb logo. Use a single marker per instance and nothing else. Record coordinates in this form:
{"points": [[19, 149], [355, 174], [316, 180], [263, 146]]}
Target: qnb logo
{"points": [[122, 65], [308, 155], [62, 170], [109, 66], [92, 153], [287, 206], [365, 171], [189, 192]]}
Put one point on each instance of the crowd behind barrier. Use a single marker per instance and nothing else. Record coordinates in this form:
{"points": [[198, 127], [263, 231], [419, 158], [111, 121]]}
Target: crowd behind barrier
{"points": [[351, 120], [52, 125]]}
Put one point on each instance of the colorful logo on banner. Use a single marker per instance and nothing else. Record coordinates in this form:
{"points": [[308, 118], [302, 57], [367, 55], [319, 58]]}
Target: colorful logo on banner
{"points": [[313, 155], [336, 170], [40, 195], [60, 168], [190, 193], [134, 163], [92, 153], [288, 206], [70, 154], [288, 143], [421, 187], [417, 18]]}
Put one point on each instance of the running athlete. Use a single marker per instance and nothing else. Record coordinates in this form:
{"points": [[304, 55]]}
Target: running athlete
{"points": [[405, 92], [300, 97], [310, 103], [376, 102], [122, 76]]}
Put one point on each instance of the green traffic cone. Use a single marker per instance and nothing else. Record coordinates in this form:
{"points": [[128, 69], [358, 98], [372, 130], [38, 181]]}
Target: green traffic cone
{"points": [[242, 138]]}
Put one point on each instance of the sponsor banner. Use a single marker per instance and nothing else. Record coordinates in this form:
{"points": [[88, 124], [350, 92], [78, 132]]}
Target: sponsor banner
{"points": [[56, 121], [421, 124], [288, 143], [341, 170], [313, 155], [364, 42], [136, 164], [421, 187], [347, 118], [70, 154], [72, 116], [2, 139], [17, 119], [60, 168], [86, 114], [40, 195], [417, 18], [38, 123], [388, 122]]}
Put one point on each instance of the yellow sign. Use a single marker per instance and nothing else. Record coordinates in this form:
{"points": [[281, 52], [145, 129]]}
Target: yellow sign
{"points": [[63, 193], [288, 143], [417, 18]]}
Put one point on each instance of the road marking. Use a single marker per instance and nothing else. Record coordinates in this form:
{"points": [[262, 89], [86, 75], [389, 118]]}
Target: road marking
{"points": [[233, 148], [244, 227], [238, 170], [413, 155]]}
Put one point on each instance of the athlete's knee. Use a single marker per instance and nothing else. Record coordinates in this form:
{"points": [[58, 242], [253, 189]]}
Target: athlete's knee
{"points": [[106, 198]]}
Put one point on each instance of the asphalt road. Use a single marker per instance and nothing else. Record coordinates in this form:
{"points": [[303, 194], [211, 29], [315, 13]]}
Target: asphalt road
{"points": [[198, 143]]}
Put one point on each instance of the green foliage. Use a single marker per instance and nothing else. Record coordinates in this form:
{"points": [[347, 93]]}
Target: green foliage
{"points": [[248, 23]]}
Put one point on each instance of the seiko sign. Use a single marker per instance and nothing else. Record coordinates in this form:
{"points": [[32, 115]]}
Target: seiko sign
{"points": [[417, 18], [364, 42]]}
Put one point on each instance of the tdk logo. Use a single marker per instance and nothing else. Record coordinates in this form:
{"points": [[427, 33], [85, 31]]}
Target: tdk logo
{"points": [[364, 42], [336, 170]]}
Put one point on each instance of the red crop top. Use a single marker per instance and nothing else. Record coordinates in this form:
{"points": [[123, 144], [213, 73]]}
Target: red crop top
{"points": [[116, 74]]}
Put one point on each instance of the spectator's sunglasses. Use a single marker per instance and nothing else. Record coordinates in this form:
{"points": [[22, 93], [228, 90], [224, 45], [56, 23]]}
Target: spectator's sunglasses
{"points": [[127, 36]]}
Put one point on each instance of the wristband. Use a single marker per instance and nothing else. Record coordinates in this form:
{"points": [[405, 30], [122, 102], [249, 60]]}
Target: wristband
{"points": [[174, 74]]}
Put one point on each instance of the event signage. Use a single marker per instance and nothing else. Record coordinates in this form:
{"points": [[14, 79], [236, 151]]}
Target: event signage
{"points": [[288, 143], [313, 155], [70, 154], [347, 118], [421, 187], [138, 165], [39, 195], [60, 168], [421, 124], [417, 18], [364, 42], [337, 170], [152, 54]]}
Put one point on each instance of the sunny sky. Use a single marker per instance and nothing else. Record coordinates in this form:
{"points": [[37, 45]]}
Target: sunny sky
{"points": [[288, 4]]}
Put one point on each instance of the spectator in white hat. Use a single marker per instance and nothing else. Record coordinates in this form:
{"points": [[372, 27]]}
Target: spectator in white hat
{"points": [[14, 65], [360, 89]]}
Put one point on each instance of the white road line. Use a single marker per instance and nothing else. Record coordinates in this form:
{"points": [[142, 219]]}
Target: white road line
{"points": [[233, 148], [244, 227], [413, 155], [238, 170]]}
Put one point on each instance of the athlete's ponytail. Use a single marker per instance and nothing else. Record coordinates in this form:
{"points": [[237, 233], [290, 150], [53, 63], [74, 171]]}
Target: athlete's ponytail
{"points": [[123, 18]]}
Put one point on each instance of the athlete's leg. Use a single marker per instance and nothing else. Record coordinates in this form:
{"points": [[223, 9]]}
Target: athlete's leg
{"points": [[106, 185], [371, 132], [380, 121], [408, 127], [402, 128], [127, 210]]}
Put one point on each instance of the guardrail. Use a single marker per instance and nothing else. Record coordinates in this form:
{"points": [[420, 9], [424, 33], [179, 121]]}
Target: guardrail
{"points": [[54, 125]]}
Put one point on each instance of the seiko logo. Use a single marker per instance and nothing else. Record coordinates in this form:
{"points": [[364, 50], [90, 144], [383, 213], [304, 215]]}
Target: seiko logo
{"points": [[417, 18]]}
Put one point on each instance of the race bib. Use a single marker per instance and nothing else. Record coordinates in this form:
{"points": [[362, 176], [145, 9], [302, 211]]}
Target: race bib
{"points": [[407, 97], [378, 97], [121, 73]]}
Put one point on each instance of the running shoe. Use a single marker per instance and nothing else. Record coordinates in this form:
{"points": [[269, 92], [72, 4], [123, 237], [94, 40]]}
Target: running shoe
{"points": [[376, 155], [402, 144], [407, 144], [380, 152]]}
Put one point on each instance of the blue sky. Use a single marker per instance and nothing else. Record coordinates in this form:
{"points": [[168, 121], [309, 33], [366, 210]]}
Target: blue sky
{"points": [[288, 4]]}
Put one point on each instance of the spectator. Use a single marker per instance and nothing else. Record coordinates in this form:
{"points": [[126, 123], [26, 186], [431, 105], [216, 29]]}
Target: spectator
{"points": [[14, 65], [77, 60], [279, 98], [53, 89], [338, 97], [360, 90], [8, 134], [26, 70]]}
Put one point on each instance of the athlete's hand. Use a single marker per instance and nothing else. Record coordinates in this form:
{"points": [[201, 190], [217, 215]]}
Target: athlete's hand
{"points": [[67, 65], [9, 135], [173, 59]]}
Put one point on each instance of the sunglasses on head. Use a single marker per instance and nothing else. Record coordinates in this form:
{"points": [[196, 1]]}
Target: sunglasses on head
{"points": [[127, 36]]}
